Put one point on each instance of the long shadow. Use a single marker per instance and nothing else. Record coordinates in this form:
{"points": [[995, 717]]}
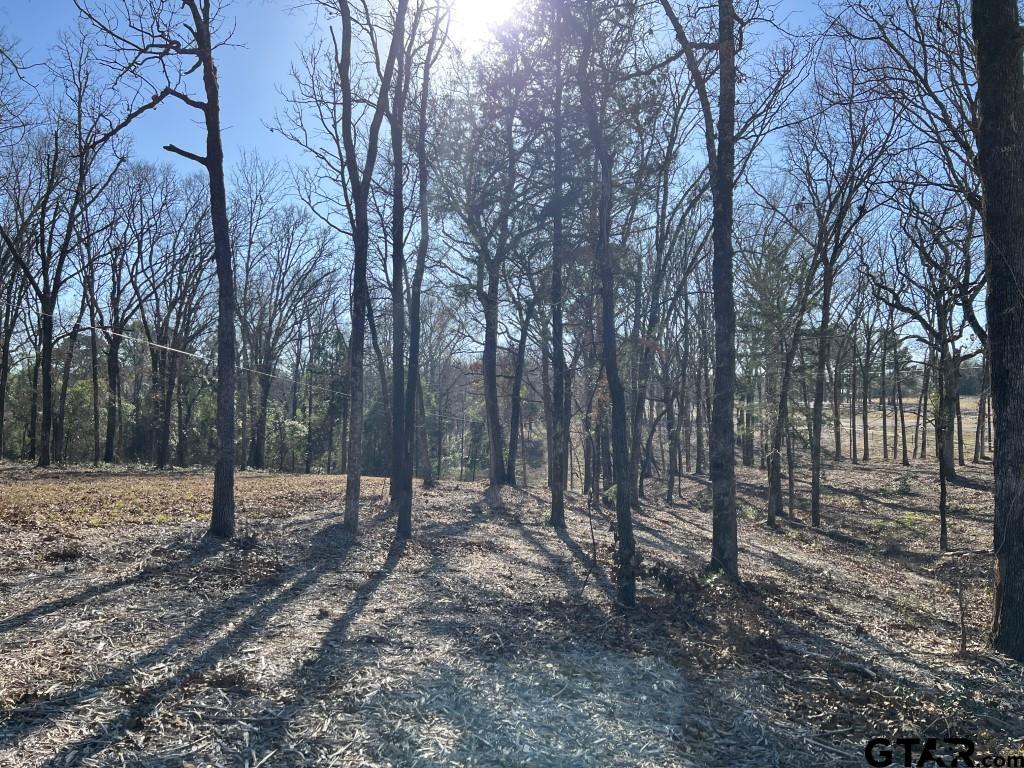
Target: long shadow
{"points": [[206, 624], [202, 550], [322, 671], [963, 481], [150, 698]]}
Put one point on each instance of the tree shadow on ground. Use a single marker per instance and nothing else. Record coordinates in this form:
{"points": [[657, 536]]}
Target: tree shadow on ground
{"points": [[246, 612], [193, 553]]}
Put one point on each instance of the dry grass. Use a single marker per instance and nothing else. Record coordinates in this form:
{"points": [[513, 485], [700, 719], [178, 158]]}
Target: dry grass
{"points": [[488, 639]]}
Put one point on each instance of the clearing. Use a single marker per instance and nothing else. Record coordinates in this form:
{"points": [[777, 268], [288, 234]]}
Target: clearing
{"points": [[489, 638]]}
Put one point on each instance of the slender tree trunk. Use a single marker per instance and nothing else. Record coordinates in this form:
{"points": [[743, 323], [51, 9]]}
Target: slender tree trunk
{"points": [[46, 368], [819, 393], [94, 375], [560, 391], [258, 445], [748, 430], [65, 380], [401, 428], [516, 407], [113, 398], [790, 476], [837, 422], [222, 518], [625, 558], [865, 387], [700, 427], [359, 308], [882, 403], [163, 452], [959, 434], [495, 433], [853, 412], [903, 422], [673, 445], [948, 388], [423, 443], [922, 411], [926, 402], [5, 367], [979, 429]]}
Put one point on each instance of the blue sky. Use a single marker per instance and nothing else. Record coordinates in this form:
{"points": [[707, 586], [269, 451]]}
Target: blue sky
{"points": [[267, 37], [268, 32]]}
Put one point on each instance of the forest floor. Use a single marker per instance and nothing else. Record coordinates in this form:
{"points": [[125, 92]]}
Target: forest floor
{"points": [[489, 638]]}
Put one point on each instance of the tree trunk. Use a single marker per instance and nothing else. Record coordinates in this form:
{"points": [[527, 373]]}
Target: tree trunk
{"points": [[46, 368], [921, 422], [790, 476], [700, 427], [258, 444], [5, 367], [422, 441], [882, 404], [865, 386], [402, 419], [113, 398], [949, 386], [222, 518], [837, 422], [673, 445], [516, 408], [959, 434], [33, 412], [979, 429], [748, 430], [65, 381], [359, 307], [903, 423], [996, 26], [560, 391], [495, 434], [94, 375], [853, 412], [625, 556], [163, 451], [819, 392]]}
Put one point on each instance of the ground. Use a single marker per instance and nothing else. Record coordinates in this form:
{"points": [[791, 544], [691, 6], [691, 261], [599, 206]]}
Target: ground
{"points": [[489, 639]]}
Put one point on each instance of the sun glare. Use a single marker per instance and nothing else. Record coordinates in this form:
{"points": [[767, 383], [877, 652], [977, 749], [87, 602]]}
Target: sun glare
{"points": [[474, 21]]}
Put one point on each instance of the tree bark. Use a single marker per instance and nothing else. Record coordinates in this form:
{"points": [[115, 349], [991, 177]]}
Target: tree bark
{"points": [[516, 407], [997, 35], [828, 276], [560, 391], [492, 411], [46, 368]]}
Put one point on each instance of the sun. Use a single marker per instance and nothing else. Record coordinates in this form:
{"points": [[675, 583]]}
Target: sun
{"points": [[474, 21]]}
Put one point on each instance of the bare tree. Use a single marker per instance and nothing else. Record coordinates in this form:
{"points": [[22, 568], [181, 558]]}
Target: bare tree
{"points": [[336, 114], [153, 47]]}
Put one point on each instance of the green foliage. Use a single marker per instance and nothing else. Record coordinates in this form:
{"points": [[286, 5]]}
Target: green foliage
{"points": [[903, 487]]}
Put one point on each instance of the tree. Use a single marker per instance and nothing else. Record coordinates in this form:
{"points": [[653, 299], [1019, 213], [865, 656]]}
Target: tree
{"points": [[996, 25], [60, 178], [720, 140], [597, 81], [489, 190], [837, 154], [167, 40], [336, 114]]}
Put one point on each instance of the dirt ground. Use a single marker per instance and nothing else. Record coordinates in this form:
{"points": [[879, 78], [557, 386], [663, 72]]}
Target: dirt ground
{"points": [[489, 639]]}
